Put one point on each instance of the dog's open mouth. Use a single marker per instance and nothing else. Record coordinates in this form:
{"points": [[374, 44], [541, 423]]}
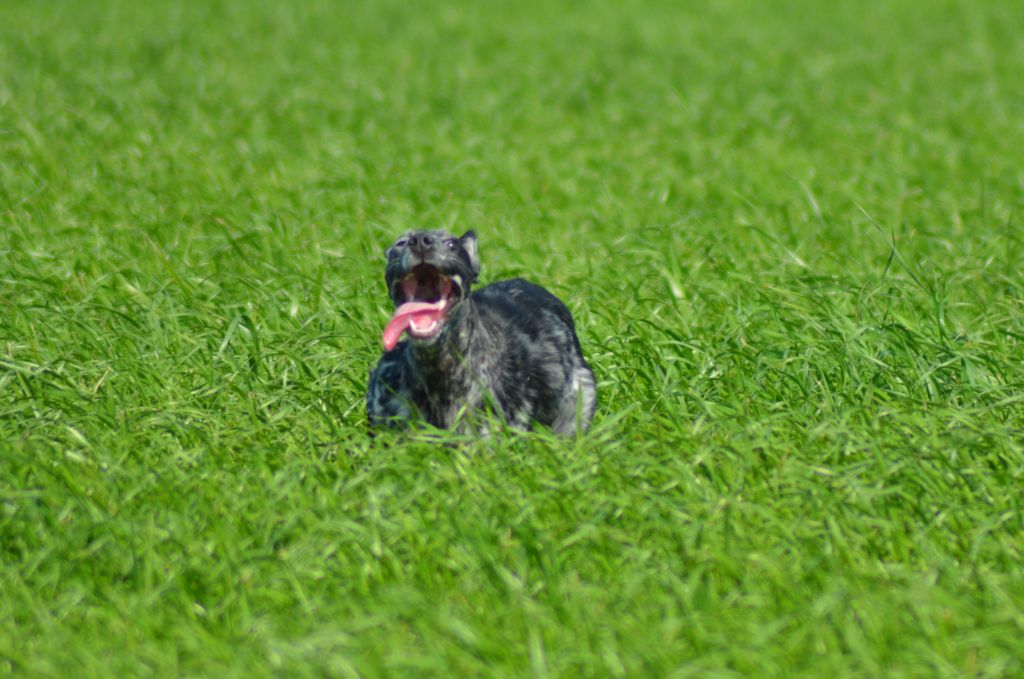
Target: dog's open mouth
{"points": [[424, 298]]}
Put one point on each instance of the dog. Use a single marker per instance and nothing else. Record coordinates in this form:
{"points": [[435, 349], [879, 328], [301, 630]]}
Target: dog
{"points": [[509, 347]]}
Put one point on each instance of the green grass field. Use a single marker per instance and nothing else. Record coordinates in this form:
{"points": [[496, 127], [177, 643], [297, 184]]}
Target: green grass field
{"points": [[791, 234]]}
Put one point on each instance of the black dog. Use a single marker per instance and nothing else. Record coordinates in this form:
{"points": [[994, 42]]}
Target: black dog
{"points": [[510, 346]]}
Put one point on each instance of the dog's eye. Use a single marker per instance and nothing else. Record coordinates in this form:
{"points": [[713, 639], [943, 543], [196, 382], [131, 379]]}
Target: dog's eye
{"points": [[451, 243], [400, 243]]}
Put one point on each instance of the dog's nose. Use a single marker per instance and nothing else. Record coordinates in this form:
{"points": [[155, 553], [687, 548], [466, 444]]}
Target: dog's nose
{"points": [[420, 242]]}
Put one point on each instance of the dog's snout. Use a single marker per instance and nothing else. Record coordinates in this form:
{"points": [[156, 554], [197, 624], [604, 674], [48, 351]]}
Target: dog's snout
{"points": [[420, 242]]}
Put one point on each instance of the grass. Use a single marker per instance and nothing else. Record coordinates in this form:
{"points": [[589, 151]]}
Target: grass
{"points": [[791, 237]]}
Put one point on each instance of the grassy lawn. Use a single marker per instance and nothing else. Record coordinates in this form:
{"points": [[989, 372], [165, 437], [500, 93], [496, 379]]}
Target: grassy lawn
{"points": [[791, 234]]}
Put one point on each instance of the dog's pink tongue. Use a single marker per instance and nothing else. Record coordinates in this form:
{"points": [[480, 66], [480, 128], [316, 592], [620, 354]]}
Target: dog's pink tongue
{"points": [[423, 312]]}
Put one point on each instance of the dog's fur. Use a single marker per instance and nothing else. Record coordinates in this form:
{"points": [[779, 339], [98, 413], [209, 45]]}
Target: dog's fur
{"points": [[510, 346]]}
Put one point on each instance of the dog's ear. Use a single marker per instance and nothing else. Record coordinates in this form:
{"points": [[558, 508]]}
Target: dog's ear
{"points": [[468, 243]]}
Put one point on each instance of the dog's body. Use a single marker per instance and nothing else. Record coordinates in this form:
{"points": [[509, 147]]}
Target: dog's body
{"points": [[510, 346]]}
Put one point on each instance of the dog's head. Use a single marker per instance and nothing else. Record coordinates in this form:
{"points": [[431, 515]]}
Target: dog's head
{"points": [[429, 273]]}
